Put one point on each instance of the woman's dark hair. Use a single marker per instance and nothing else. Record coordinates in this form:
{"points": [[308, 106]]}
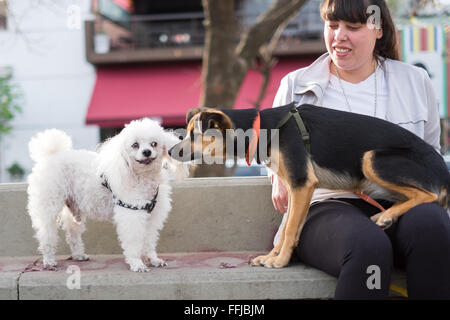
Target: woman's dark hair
{"points": [[355, 11]]}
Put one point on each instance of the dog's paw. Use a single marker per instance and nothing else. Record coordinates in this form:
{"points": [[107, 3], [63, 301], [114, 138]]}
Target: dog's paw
{"points": [[385, 223], [155, 262], [49, 264], [260, 260], [158, 262], [138, 266], [80, 257], [375, 217], [382, 220], [276, 262]]}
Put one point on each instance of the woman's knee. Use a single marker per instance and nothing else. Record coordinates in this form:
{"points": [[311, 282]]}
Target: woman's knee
{"points": [[367, 267], [427, 220], [425, 225], [423, 239], [370, 247]]}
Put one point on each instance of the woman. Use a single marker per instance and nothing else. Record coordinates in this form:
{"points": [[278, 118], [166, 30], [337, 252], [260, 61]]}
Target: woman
{"points": [[360, 73]]}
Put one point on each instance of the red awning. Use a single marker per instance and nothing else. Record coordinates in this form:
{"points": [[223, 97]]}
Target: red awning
{"points": [[167, 91]]}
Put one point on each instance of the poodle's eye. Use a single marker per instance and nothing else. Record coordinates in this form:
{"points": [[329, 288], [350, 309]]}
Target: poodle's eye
{"points": [[135, 145], [154, 144]]}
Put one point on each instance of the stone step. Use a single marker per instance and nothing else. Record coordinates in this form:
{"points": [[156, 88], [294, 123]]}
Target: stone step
{"points": [[192, 276]]}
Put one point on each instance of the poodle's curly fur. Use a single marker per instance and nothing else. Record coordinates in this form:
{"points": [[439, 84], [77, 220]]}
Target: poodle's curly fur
{"points": [[67, 186]]}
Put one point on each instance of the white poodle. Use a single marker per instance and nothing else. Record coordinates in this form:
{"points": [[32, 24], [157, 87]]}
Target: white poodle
{"points": [[126, 181]]}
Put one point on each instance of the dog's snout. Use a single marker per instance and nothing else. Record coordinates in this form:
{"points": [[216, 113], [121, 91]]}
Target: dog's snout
{"points": [[171, 150], [147, 153]]}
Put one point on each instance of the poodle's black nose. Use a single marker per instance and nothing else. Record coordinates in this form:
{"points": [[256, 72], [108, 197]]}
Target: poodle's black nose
{"points": [[147, 153]]}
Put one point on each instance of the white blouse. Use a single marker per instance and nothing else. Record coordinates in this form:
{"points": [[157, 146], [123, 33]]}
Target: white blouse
{"points": [[361, 98]]}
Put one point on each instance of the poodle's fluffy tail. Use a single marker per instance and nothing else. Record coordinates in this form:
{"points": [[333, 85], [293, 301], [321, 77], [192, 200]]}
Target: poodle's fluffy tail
{"points": [[48, 142]]}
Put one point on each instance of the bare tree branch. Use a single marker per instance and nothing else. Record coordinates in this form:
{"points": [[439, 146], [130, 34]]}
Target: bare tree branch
{"points": [[268, 23], [34, 43], [268, 61], [225, 64]]}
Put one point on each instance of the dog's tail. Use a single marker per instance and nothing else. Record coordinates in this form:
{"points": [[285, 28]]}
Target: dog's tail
{"points": [[48, 142], [444, 197]]}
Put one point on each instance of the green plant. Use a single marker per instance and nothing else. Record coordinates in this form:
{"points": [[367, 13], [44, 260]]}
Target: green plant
{"points": [[10, 98], [10, 95], [16, 171]]}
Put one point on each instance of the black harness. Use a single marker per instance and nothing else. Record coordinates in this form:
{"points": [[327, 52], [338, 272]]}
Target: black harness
{"points": [[149, 206], [293, 113]]}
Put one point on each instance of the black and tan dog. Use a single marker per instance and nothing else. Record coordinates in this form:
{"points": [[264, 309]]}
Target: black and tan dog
{"points": [[320, 147]]}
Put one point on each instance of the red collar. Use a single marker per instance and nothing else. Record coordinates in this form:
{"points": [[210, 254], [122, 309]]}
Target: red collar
{"points": [[254, 140]]}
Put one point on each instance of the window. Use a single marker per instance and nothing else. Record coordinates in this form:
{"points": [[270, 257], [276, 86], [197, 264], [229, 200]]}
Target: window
{"points": [[3, 14]]}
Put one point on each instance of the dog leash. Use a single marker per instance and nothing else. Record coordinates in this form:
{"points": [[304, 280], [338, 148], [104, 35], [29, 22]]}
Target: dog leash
{"points": [[149, 206], [293, 113], [370, 200]]}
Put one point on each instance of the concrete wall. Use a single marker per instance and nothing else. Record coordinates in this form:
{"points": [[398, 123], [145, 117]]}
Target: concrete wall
{"points": [[209, 214]]}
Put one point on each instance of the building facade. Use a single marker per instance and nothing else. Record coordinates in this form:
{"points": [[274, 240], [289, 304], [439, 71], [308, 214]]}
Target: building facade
{"points": [[42, 43]]}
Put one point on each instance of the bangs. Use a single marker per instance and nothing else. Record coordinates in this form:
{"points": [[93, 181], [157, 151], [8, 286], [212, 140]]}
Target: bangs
{"points": [[353, 11]]}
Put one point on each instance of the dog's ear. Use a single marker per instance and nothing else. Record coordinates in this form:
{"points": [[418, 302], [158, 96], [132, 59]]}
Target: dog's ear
{"points": [[114, 162], [215, 120], [192, 112]]}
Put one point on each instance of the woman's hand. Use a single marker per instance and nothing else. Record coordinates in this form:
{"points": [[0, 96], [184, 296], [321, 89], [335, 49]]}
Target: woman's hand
{"points": [[280, 196]]}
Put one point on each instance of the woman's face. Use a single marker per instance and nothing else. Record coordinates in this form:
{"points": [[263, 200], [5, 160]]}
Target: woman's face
{"points": [[351, 45]]}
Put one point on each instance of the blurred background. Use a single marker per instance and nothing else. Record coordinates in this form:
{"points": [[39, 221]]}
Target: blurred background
{"points": [[89, 67]]}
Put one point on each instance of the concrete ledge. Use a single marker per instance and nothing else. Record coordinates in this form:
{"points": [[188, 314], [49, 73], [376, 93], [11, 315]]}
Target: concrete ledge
{"points": [[8, 286], [213, 220], [10, 271], [188, 276], [191, 276], [209, 214]]}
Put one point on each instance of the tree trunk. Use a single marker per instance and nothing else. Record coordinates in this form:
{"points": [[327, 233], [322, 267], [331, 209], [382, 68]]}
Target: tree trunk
{"points": [[228, 57], [219, 61]]}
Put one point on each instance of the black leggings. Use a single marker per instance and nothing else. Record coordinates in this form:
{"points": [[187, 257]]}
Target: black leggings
{"points": [[340, 239]]}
